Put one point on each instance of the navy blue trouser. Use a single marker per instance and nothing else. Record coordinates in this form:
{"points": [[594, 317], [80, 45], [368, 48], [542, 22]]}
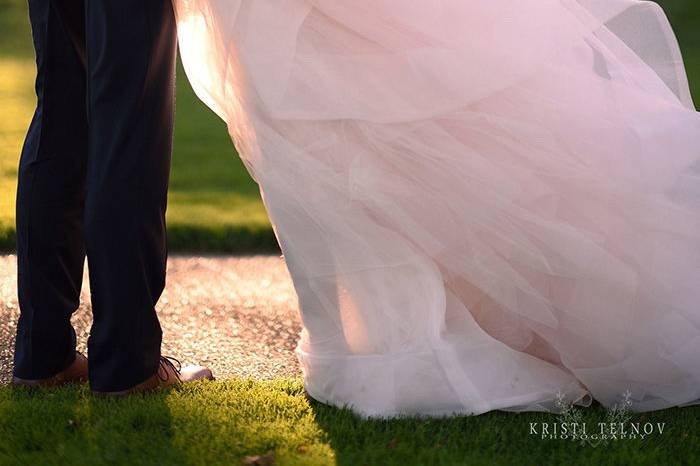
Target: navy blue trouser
{"points": [[93, 181]]}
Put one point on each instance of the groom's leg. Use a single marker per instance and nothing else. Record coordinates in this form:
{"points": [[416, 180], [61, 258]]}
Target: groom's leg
{"points": [[50, 195], [131, 67]]}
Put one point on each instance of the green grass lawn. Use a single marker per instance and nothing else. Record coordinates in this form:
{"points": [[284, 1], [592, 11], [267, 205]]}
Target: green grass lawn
{"points": [[213, 423], [213, 204]]}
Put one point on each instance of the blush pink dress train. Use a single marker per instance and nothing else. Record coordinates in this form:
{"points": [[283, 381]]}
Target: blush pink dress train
{"points": [[483, 204]]}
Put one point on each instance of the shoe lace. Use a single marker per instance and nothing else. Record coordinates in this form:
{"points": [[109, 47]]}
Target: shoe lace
{"points": [[168, 361]]}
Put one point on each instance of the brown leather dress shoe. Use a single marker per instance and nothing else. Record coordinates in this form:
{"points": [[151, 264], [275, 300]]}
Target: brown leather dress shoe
{"points": [[166, 376], [77, 372]]}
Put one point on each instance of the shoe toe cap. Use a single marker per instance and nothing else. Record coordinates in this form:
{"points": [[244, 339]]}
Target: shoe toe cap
{"points": [[191, 373]]}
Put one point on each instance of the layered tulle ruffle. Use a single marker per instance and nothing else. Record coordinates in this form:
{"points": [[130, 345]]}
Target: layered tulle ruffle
{"points": [[482, 203]]}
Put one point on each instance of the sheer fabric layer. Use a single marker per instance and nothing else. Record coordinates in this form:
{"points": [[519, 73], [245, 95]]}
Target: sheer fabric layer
{"points": [[482, 204]]}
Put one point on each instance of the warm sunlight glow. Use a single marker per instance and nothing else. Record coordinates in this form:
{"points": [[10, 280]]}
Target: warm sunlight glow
{"points": [[197, 52], [17, 102]]}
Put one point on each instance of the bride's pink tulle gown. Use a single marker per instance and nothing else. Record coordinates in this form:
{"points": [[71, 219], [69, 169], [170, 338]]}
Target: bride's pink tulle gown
{"points": [[482, 203]]}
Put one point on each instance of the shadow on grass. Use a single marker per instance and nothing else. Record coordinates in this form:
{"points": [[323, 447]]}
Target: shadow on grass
{"points": [[225, 421], [501, 438], [184, 239], [222, 240], [67, 425]]}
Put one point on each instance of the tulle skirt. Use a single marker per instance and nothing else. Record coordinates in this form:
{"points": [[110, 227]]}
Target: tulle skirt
{"points": [[483, 204]]}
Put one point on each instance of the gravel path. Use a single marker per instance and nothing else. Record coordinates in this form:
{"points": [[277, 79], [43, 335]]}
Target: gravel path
{"points": [[238, 315]]}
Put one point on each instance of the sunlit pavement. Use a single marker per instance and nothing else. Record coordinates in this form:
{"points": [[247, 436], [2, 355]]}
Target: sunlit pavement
{"points": [[236, 314]]}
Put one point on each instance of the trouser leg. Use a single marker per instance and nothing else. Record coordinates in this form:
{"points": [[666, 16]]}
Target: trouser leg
{"points": [[131, 49], [50, 195]]}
